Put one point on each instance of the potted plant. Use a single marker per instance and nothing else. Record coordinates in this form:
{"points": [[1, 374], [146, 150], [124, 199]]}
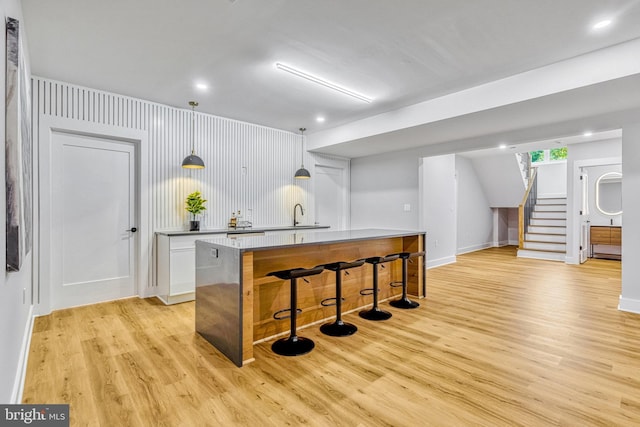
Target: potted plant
{"points": [[194, 205]]}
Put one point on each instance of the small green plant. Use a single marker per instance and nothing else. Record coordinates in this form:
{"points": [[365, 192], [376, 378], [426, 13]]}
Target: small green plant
{"points": [[195, 204]]}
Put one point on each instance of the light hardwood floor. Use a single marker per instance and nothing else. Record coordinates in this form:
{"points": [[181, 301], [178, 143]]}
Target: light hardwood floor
{"points": [[499, 341]]}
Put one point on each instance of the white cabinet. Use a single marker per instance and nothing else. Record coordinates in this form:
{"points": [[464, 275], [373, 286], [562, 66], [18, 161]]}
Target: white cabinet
{"points": [[176, 266], [175, 258]]}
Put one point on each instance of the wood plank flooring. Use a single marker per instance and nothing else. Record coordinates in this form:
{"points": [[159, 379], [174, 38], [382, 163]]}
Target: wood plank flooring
{"points": [[499, 341]]}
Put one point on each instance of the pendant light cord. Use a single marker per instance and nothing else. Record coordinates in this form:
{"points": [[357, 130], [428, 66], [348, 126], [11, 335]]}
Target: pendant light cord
{"points": [[302, 146], [193, 104]]}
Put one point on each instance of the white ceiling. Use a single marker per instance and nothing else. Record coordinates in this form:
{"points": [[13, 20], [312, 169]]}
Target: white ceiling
{"points": [[398, 52]]}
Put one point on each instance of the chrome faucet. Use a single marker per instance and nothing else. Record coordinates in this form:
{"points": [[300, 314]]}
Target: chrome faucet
{"points": [[295, 221]]}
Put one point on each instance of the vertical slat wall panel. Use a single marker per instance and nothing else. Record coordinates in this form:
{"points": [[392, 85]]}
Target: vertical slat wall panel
{"points": [[248, 167]]}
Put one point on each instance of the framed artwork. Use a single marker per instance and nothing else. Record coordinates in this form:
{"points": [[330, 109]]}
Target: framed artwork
{"points": [[18, 151]]}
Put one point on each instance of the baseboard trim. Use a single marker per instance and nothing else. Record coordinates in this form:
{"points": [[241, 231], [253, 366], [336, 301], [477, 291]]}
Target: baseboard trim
{"points": [[21, 374], [474, 248], [500, 244], [630, 305], [440, 262], [176, 299]]}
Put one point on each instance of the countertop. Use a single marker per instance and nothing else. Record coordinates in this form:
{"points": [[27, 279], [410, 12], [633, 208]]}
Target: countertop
{"points": [[307, 237], [240, 230]]}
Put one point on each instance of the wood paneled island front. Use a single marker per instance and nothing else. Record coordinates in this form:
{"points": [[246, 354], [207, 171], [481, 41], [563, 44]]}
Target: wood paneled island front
{"points": [[236, 300]]}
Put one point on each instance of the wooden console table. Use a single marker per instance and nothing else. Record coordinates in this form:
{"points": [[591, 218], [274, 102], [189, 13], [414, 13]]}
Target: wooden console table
{"points": [[605, 235]]}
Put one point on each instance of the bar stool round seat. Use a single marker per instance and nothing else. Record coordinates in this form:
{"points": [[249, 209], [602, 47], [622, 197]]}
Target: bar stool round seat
{"points": [[404, 302], [293, 345], [339, 328], [375, 313]]}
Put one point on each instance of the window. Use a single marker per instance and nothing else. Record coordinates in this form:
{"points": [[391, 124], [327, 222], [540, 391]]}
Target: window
{"points": [[537, 156], [558, 153], [549, 155]]}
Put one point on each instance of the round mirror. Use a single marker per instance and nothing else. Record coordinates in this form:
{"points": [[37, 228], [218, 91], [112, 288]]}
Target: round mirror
{"points": [[609, 193]]}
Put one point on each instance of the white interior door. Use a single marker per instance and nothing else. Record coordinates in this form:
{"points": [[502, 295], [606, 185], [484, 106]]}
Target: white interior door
{"points": [[330, 198], [93, 215], [584, 218]]}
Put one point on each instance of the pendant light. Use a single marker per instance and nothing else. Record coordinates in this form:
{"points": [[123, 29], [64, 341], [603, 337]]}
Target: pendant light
{"points": [[302, 173], [192, 161]]}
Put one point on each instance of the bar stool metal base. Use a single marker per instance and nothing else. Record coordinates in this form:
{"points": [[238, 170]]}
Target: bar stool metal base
{"points": [[375, 314], [404, 303], [338, 329], [292, 346]]}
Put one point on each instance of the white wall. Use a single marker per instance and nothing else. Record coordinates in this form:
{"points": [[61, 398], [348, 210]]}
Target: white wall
{"points": [[248, 167], [381, 186], [552, 180], [584, 154], [438, 186], [16, 288], [474, 216], [500, 224], [630, 295], [501, 179]]}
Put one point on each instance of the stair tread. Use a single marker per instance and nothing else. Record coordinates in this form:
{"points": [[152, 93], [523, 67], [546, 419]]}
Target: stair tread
{"points": [[543, 250], [547, 234], [546, 241], [552, 219]]}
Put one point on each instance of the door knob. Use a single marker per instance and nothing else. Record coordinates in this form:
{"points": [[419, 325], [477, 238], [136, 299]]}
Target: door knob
{"points": [[133, 229]]}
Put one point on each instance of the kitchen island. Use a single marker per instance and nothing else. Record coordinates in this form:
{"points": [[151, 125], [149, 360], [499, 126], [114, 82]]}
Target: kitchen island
{"points": [[236, 300]]}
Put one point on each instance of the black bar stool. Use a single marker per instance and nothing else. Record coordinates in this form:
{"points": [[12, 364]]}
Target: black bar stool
{"points": [[339, 328], [404, 301], [375, 313], [293, 345]]}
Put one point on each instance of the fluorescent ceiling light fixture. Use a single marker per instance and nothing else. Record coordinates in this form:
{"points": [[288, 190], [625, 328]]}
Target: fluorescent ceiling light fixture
{"points": [[587, 133], [322, 82], [602, 24], [202, 86], [320, 119]]}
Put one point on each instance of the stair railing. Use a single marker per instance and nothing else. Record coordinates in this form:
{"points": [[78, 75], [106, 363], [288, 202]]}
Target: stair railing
{"points": [[526, 207]]}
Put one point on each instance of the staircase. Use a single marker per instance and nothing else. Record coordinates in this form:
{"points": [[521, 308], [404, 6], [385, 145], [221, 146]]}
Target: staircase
{"points": [[546, 234]]}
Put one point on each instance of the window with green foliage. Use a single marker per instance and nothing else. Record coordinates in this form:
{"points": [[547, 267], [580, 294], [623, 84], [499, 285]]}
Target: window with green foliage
{"points": [[558, 153], [537, 156], [549, 155]]}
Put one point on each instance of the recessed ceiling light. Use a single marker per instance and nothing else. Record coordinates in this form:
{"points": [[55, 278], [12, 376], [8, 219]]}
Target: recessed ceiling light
{"points": [[202, 86], [320, 119], [502, 146], [602, 24], [322, 82], [587, 133]]}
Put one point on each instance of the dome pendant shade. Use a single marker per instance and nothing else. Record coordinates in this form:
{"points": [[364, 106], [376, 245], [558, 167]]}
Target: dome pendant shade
{"points": [[192, 161], [302, 173]]}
